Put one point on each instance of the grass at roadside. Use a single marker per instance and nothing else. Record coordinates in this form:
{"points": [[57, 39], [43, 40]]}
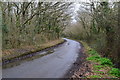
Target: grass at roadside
{"points": [[101, 67], [13, 53]]}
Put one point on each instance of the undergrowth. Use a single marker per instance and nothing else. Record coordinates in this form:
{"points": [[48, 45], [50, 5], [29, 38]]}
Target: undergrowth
{"points": [[9, 54], [115, 72], [102, 67]]}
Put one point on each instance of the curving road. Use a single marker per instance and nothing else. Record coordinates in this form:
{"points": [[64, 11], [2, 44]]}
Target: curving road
{"points": [[54, 65]]}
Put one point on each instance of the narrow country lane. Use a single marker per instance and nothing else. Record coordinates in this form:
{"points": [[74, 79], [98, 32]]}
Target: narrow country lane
{"points": [[54, 65]]}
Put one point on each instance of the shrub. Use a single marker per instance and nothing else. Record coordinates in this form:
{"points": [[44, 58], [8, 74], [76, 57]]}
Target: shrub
{"points": [[101, 72], [115, 72], [105, 61], [98, 66], [96, 57], [92, 52], [94, 76]]}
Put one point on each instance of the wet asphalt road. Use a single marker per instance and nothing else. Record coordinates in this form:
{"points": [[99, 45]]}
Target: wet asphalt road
{"points": [[54, 65]]}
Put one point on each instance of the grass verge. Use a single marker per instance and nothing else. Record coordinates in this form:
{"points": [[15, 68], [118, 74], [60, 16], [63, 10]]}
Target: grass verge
{"points": [[15, 53], [101, 67]]}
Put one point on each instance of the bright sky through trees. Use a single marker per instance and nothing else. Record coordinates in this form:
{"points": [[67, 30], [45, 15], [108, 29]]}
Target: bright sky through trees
{"points": [[76, 8]]}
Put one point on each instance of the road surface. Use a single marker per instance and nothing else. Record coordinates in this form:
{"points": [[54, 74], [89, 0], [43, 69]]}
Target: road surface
{"points": [[54, 65]]}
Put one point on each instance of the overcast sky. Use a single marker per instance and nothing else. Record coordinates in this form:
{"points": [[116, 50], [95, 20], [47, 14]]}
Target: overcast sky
{"points": [[57, 0], [76, 8]]}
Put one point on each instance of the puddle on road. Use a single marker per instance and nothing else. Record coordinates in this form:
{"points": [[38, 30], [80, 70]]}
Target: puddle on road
{"points": [[18, 62]]}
